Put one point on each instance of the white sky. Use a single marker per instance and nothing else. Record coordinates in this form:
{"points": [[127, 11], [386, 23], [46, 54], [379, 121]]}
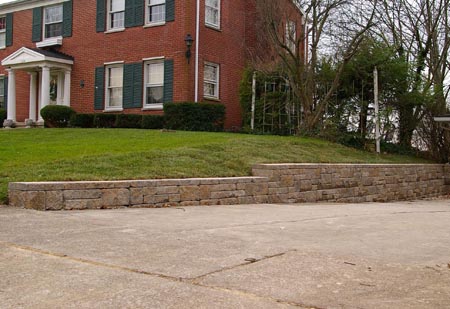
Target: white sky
{"points": [[5, 1]]}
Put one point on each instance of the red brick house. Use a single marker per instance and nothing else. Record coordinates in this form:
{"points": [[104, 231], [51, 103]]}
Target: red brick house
{"points": [[124, 56]]}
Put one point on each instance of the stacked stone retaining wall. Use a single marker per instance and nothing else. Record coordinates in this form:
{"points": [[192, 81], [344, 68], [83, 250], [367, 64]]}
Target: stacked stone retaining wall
{"points": [[272, 183]]}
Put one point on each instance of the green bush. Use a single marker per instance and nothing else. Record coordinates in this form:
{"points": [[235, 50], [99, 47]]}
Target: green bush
{"points": [[105, 120], [56, 116], [3, 116], [191, 116], [152, 122], [129, 121], [82, 120]]}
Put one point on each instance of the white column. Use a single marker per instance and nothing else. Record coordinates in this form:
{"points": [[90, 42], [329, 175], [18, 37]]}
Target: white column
{"points": [[45, 89], [59, 98], [67, 80], [33, 95], [11, 95]]}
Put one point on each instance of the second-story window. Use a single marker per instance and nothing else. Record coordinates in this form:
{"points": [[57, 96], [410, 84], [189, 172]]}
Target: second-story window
{"points": [[212, 13], [156, 11], [116, 16], [291, 35], [2, 32], [53, 21]]}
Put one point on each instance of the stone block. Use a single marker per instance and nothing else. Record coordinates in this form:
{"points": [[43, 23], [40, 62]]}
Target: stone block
{"points": [[167, 190], [33, 200], [222, 187], [54, 200], [190, 193], [82, 194], [83, 204], [227, 194], [189, 203], [136, 196], [115, 197]]}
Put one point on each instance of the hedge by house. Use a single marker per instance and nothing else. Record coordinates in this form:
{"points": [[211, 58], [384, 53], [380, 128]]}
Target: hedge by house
{"points": [[190, 116], [56, 116], [3, 116]]}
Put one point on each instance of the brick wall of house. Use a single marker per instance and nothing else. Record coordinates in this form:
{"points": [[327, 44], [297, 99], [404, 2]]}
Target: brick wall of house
{"points": [[227, 47]]}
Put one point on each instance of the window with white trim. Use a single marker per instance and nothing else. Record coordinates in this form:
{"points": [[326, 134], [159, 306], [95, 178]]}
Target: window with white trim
{"points": [[212, 13], [211, 81], [2, 92], [156, 11], [2, 32], [53, 21], [291, 35], [116, 14], [154, 83], [114, 86]]}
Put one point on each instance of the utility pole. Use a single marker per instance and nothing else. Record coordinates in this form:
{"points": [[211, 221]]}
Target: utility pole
{"points": [[377, 116]]}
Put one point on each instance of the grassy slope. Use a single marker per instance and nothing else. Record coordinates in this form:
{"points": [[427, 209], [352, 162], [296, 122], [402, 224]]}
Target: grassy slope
{"points": [[106, 154]]}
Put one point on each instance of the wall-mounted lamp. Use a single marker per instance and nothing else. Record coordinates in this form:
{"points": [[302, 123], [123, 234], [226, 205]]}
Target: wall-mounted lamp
{"points": [[188, 40], [82, 83]]}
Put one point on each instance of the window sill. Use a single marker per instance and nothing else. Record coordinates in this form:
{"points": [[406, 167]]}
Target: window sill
{"points": [[155, 24], [50, 42], [2, 47], [112, 110], [114, 30], [214, 99], [213, 27], [156, 107]]}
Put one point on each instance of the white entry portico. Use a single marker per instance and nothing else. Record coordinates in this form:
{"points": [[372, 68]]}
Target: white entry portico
{"points": [[49, 71]]}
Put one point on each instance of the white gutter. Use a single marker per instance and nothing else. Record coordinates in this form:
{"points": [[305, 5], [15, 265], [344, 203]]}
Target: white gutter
{"points": [[197, 44]]}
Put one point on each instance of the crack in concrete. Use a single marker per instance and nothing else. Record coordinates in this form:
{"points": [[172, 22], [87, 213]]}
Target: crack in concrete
{"points": [[166, 277], [248, 262]]}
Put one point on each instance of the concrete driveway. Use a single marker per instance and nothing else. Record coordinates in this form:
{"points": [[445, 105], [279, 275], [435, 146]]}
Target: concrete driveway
{"points": [[393, 255]]}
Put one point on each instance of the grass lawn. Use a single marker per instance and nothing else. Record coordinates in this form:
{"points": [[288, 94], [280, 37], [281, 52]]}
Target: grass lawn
{"points": [[108, 154]]}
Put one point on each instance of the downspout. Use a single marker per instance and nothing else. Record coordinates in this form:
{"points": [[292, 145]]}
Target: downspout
{"points": [[197, 39]]}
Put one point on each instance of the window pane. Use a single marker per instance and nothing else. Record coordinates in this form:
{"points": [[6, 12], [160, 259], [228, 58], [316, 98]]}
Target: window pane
{"points": [[115, 77], [156, 73], [155, 94], [213, 3], [117, 20], [2, 39], [155, 2], [2, 23], [53, 14], [115, 97], [209, 90], [117, 5], [157, 13], [210, 72], [53, 30]]}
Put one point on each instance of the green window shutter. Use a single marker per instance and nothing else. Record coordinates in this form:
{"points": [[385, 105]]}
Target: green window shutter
{"points": [[67, 19], [128, 85], [99, 88], [170, 10], [37, 25], [101, 16], [129, 13], [132, 85], [139, 12], [168, 81], [138, 84], [9, 29]]}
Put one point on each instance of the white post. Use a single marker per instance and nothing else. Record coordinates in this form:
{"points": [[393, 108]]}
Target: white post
{"points": [[59, 90], [67, 79], [377, 116], [197, 44], [252, 124], [11, 95], [33, 95], [45, 89]]}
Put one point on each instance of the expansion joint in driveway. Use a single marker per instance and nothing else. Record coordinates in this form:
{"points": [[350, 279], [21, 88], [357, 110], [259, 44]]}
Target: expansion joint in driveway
{"points": [[192, 281]]}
